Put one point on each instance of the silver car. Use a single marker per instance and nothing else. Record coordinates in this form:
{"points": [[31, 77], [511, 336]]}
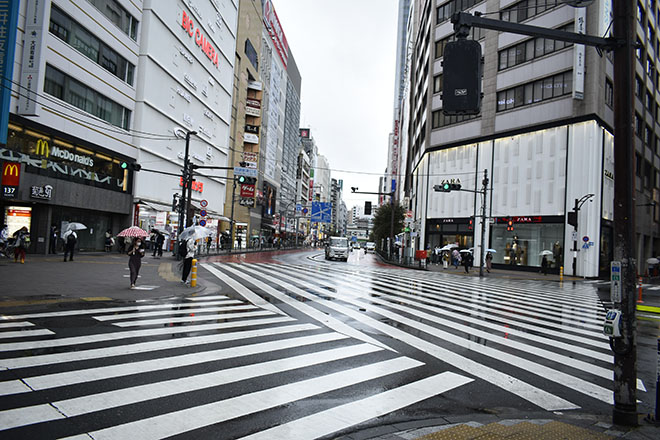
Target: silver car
{"points": [[337, 249]]}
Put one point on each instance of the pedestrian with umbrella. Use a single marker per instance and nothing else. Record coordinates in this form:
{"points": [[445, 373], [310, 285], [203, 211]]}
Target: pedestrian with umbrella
{"points": [[187, 241], [135, 252], [71, 238]]}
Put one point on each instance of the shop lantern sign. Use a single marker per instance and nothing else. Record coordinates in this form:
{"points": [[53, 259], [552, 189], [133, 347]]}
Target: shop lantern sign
{"points": [[44, 192]]}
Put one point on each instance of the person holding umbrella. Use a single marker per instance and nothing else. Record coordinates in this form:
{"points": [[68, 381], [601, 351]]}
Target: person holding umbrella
{"points": [[71, 238], [135, 254]]}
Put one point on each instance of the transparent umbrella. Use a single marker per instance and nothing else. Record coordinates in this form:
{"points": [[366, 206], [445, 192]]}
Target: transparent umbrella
{"points": [[546, 252], [448, 247], [196, 232], [75, 226]]}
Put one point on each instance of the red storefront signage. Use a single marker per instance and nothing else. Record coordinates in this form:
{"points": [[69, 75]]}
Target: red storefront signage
{"points": [[11, 173], [196, 186], [247, 190], [200, 39]]}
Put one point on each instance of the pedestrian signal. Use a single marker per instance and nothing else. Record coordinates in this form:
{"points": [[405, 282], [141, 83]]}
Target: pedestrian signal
{"points": [[470, 224], [509, 225], [367, 208]]}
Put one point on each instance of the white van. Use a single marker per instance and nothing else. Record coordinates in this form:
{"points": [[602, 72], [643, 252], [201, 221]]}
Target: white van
{"points": [[337, 248]]}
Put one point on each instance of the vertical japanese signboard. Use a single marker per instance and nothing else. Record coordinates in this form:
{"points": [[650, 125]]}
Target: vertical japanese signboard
{"points": [[8, 26]]}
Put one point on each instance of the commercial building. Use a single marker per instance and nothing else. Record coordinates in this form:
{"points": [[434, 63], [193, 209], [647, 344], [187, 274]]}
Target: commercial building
{"points": [[241, 199], [184, 85], [72, 119], [543, 137]]}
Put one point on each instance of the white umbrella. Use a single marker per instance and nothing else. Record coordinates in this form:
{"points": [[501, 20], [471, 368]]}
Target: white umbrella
{"points": [[465, 251], [75, 226], [491, 251], [546, 252], [448, 247], [196, 232], [653, 260]]}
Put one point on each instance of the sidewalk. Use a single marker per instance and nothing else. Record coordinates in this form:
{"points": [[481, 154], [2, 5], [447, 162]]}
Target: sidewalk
{"points": [[535, 426], [92, 276]]}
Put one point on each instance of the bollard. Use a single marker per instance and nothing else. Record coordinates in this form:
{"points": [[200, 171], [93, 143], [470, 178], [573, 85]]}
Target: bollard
{"points": [[561, 273], [639, 290], [193, 273]]}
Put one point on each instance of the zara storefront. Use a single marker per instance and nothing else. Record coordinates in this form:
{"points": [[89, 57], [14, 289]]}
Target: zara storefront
{"points": [[534, 179]]}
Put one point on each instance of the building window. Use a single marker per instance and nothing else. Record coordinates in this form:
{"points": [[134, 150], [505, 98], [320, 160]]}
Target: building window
{"points": [[116, 13], [609, 93], [437, 83], [445, 11], [439, 119], [79, 95], [648, 136], [525, 9], [639, 125], [641, 16], [72, 33], [530, 49], [539, 90], [251, 53], [639, 87]]}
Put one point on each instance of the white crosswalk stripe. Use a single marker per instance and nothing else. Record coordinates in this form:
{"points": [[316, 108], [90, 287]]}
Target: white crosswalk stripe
{"points": [[158, 370], [544, 341]]}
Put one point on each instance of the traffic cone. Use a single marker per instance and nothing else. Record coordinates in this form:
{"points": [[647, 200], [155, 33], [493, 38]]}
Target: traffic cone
{"points": [[639, 290]]}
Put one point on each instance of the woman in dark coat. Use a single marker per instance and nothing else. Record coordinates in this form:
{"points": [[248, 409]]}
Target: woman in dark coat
{"points": [[135, 254]]}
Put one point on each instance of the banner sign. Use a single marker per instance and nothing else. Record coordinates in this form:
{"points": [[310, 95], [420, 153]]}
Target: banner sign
{"points": [[35, 35], [8, 26]]}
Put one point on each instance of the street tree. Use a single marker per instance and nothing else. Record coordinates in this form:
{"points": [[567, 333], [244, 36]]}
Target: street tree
{"points": [[383, 222]]}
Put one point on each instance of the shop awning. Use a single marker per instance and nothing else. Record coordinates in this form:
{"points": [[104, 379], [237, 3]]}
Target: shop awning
{"points": [[155, 206]]}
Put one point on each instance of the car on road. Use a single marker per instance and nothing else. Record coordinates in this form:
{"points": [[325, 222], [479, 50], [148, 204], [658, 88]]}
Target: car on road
{"points": [[370, 247], [337, 249]]}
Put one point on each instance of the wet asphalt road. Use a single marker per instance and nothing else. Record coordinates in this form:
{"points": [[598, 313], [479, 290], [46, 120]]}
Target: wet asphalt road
{"points": [[292, 346]]}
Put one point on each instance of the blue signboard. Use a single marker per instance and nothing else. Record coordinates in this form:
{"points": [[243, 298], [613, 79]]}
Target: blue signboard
{"points": [[8, 26], [393, 185], [321, 212]]}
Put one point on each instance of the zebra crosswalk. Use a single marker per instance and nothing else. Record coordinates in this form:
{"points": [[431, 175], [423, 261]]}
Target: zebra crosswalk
{"points": [[539, 342], [198, 368]]}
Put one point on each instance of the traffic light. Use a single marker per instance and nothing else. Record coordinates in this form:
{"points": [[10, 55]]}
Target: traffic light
{"points": [[130, 166], [470, 224], [509, 225], [461, 77], [573, 219], [245, 180], [367, 208], [447, 187]]}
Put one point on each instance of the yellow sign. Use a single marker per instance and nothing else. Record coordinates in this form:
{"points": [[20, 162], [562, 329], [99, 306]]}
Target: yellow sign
{"points": [[11, 169], [42, 148]]}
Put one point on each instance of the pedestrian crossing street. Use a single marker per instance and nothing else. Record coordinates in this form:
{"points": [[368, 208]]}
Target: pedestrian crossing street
{"points": [[299, 351]]}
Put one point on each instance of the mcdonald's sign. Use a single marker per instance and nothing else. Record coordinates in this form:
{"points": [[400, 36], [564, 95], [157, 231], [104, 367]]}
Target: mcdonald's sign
{"points": [[11, 174], [42, 148]]}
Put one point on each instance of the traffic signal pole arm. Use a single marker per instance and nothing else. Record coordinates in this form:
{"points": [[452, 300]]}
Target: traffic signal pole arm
{"points": [[463, 21]]}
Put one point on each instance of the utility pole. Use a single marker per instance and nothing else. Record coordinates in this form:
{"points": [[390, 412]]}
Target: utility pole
{"points": [[184, 202], [624, 348], [482, 254]]}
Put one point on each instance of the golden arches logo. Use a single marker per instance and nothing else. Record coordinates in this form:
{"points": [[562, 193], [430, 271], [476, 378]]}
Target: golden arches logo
{"points": [[11, 169], [42, 148]]}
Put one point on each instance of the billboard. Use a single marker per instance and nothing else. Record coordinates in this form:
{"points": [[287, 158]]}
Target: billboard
{"points": [[275, 31]]}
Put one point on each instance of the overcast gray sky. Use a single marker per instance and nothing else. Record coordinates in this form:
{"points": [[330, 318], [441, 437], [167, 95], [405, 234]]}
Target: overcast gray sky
{"points": [[346, 53]]}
